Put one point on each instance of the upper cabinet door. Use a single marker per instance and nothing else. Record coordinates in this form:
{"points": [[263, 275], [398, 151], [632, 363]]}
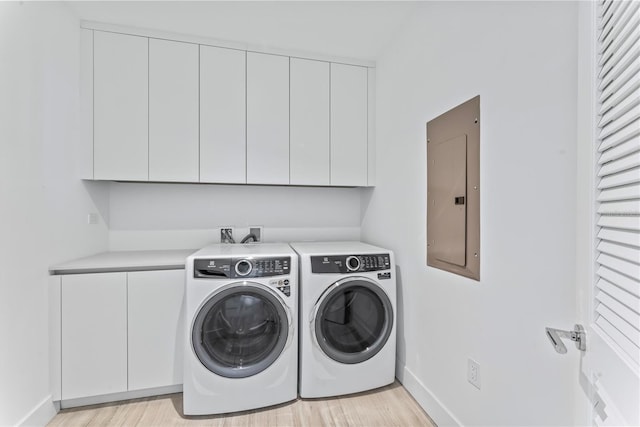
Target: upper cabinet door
{"points": [[309, 122], [173, 111], [121, 140], [84, 150], [267, 119], [348, 125], [222, 115]]}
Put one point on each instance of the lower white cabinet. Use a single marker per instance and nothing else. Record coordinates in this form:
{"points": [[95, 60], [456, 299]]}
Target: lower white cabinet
{"points": [[120, 332], [156, 330], [94, 334]]}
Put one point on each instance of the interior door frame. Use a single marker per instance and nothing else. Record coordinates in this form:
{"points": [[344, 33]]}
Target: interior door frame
{"points": [[585, 199]]}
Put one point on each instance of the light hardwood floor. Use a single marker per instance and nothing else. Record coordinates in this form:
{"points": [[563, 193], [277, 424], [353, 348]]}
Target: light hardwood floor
{"points": [[387, 406]]}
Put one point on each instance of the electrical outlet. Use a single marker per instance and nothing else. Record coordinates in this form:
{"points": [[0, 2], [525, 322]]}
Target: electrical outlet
{"points": [[473, 373], [256, 230], [92, 218], [226, 235]]}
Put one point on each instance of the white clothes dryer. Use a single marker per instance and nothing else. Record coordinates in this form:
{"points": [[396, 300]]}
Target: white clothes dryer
{"points": [[347, 318], [241, 314]]}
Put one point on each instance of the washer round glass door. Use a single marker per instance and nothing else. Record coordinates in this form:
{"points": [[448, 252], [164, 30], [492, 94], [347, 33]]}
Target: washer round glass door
{"points": [[353, 320], [241, 330]]}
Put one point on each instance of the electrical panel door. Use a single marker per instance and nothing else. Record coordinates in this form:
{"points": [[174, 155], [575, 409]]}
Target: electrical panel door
{"points": [[448, 184]]}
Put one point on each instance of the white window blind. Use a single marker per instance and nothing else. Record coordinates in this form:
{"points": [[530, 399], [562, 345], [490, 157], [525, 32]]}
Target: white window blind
{"points": [[617, 293]]}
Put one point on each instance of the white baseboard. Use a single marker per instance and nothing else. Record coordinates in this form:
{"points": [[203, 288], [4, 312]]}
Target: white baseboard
{"points": [[40, 415], [426, 399], [125, 395]]}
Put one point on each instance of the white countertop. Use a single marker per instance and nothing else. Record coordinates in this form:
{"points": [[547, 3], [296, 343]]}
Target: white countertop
{"points": [[125, 261]]}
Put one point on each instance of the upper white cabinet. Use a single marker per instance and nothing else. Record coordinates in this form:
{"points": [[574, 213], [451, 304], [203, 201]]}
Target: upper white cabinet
{"points": [[349, 125], [173, 111], [309, 106], [162, 110], [84, 146], [222, 115], [267, 119], [121, 99]]}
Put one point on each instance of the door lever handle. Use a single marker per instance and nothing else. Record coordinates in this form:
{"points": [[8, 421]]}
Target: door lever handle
{"points": [[578, 335]]}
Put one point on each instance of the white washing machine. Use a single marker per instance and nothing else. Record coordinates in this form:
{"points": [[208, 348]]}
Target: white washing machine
{"points": [[241, 314], [347, 318]]}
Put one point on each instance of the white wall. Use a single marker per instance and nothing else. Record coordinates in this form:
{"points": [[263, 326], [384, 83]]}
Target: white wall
{"points": [[43, 207], [183, 216], [521, 58], [334, 28]]}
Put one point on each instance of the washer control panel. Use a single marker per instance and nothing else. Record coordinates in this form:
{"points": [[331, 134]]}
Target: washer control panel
{"points": [[349, 263], [240, 268]]}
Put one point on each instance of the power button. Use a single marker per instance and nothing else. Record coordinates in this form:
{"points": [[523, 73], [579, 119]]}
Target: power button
{"points": [[243, 267]]}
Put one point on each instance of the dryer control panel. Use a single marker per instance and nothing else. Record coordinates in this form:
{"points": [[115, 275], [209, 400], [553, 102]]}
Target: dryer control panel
{"points": [[240, 268], [349, 263]]}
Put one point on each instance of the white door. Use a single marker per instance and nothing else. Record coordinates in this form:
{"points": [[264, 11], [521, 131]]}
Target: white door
{"points": [[309, 122], [609, 211], [349, 127], [223, 143], [173, 111], [94, 334], [155, 328], [121, 101], [267, 119]]}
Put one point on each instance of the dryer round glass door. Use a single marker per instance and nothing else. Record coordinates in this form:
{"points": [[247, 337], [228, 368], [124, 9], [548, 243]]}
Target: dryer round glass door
{"points": [[240, 331], [353, 320]]}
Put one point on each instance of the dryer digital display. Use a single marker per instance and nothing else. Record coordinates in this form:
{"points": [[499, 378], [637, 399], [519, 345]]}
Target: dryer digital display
{"points": [[349, 263]]}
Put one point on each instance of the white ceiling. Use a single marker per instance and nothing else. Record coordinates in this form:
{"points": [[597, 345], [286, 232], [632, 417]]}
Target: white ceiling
{"points": [[356, 29]]}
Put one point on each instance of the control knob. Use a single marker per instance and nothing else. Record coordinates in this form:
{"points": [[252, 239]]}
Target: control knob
{"points": [[353, 263], [243, 267]]}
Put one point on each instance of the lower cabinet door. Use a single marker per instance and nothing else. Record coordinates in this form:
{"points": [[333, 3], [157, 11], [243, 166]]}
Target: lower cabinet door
{"points": [[155, 332], [94, 334]]}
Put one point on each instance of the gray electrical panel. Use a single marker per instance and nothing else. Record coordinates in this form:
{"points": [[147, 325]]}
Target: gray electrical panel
{"points": [[453, 190]]}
